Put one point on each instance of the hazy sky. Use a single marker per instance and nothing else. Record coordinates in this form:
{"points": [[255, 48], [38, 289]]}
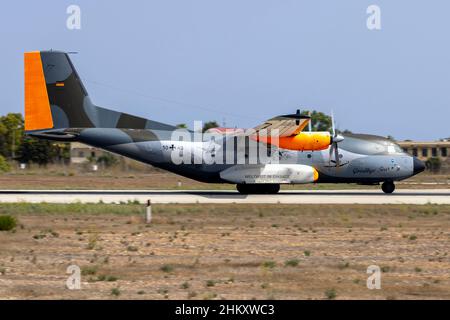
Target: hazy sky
{"points": [[243, 61]]}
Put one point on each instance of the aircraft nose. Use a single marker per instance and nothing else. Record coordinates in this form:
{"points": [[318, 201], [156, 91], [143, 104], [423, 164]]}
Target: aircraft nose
{"points": [[418, 166]]}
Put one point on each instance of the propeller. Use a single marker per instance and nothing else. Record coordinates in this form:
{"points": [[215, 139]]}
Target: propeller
{"points": [[335, 139]]}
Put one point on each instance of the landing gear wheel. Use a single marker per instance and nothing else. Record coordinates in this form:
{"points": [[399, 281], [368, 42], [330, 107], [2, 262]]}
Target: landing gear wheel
{"points": [[388, 187], [258, 188]]}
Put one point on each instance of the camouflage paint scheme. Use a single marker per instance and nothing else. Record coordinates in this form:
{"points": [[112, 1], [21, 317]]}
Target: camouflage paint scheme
{"points": [[363, 158]]}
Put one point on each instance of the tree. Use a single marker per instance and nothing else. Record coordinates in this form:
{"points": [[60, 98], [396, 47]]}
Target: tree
{"points": [[4, 165], [209, 125], [38, 151], [319, 121], [11, 132], [181, 126], [62, 151], [14, 144]]}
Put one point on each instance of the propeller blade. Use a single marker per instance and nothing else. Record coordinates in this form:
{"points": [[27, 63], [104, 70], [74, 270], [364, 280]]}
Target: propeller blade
{"points": [[333, 131], [330, 154], [336, 155]]}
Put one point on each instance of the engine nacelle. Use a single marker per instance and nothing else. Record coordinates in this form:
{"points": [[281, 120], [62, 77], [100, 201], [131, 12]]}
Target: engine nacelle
{"points": [[304, 141], [270, 173]]}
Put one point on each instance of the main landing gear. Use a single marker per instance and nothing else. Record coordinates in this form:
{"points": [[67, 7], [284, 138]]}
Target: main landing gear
{"points": [[388, 187], [258, 188]]}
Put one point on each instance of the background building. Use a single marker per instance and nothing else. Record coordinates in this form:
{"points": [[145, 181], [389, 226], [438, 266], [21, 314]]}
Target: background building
{"points": [[435, 154], [426, 150], [81, 153]]}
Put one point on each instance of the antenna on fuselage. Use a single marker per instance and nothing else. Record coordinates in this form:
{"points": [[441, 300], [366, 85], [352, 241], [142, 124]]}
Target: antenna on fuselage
{"points": [[297, 120]]}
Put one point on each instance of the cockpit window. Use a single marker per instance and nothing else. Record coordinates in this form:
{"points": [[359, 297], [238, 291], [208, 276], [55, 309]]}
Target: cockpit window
{"points": [[396, 148], [370, 146]]}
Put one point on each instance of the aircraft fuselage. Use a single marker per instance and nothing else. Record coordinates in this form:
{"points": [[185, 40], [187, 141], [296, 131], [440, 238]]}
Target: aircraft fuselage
{"points": [[362, 158]]}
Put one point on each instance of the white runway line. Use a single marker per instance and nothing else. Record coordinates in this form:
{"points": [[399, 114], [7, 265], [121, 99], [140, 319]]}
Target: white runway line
{"points": [[401, 196]]}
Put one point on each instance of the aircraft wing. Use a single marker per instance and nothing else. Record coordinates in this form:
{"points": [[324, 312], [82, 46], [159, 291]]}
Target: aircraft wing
{"points": [[286, 125]]}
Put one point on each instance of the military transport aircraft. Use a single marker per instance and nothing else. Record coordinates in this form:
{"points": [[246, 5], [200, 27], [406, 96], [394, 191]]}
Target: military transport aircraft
{"points": [[58, 107]]}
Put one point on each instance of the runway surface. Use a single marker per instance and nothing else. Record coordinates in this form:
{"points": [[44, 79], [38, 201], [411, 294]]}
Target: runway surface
{"points": [[401, 196]]}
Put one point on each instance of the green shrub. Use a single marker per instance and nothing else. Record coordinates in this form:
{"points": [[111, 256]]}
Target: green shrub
{"points": [[115, 292], [111, 278], [166, 268], [101, 277], [434, 164], [88, 270], [292, 263], [210, 283], [269, 264], [330, 294], [107, 159], [7, 223], [185, 285], [385, 269]]}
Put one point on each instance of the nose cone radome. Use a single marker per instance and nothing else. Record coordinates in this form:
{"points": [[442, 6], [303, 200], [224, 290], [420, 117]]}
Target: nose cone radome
{"points": [[419, 166]]}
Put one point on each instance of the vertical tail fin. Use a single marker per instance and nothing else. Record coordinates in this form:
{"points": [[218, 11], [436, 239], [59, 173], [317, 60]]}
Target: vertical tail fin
{"points": [[55, 98], [54, 94]]}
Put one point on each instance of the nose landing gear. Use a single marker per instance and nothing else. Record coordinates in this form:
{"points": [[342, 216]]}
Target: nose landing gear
{"points": [[388, 187]]}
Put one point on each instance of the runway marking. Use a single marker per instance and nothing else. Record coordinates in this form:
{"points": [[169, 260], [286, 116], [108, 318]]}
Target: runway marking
{"points": [[402, 196]]}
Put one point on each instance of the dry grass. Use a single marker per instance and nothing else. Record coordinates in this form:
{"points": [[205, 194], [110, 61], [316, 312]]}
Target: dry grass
{"points": [[226, 251]]}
